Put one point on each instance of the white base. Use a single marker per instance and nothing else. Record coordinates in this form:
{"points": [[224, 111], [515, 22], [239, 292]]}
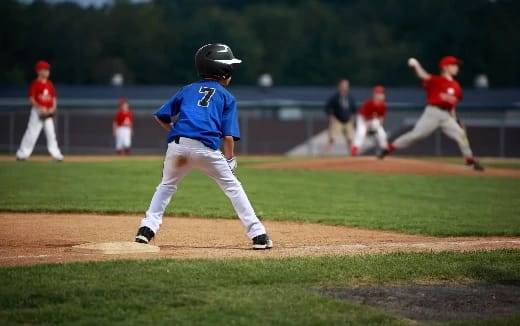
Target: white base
{"points": [[115, 248]]}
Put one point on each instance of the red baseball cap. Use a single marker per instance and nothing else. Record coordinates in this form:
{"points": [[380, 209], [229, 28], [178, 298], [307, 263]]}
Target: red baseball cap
{"points": [[42, 65], [379, 89], [449, 60], [122, 101]]}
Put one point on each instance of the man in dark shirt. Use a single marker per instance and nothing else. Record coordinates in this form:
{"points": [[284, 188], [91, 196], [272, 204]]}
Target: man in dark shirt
{"points": [[341, 109]]}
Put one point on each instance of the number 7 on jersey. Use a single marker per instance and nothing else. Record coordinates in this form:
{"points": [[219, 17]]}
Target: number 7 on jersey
{"points": [[208, 93]]}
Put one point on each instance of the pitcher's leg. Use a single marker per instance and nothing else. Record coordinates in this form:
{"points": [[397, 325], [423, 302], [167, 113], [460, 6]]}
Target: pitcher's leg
{"points": [[427, 123], [34, 127], [451, 128], [176, 166], [216, 167], [52, 143]]}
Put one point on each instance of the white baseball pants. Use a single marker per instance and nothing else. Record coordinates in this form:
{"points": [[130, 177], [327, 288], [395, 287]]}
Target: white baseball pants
{"points": [[180, 160], [34, 127], [431, 119], [123, 138], [362, 126]]}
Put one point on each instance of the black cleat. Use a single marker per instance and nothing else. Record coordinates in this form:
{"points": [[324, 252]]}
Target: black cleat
{"points": [[384, 153], [144, 235], [21, 159], [262, 242], [475, 166]]}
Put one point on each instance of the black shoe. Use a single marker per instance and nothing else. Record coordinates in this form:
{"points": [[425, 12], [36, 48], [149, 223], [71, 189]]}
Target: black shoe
{"points": [[20, 159], [262, 242], [144, 235], [383, 154], [476, 166]]}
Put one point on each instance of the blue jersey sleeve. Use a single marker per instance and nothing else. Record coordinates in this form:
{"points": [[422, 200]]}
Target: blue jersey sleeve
{"points": [[169, 109], [230, 119]]}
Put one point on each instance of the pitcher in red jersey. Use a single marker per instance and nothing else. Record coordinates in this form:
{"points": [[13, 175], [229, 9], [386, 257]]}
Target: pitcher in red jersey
{"points": [[123, 127], [443, 94], [42, 97]]}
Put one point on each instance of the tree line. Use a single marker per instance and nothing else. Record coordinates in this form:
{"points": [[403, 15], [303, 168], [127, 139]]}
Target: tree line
{"points": [[297, 42]]}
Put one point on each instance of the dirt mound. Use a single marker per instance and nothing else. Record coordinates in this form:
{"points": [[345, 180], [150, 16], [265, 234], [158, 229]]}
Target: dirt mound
{"points": [[436, 302], [390, 165], [48, 238]]}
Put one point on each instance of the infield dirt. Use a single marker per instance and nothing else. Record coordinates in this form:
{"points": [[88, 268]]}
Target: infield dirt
{"points": [[36, 238], [390, 165], [365, 164]]}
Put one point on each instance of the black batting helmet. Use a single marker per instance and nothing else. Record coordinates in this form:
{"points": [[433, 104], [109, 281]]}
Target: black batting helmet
{"points": [[215, 60]]}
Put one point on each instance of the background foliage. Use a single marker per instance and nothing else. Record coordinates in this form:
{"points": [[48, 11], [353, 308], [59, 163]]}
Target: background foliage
{"points": [[298, 42]]}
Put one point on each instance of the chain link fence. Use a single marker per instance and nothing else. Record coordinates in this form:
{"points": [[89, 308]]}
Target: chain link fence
{"points": [[266, 128]]}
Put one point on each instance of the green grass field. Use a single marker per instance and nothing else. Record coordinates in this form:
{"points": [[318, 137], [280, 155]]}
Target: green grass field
{"points": [[435, 205], [233, 292], [253, 292]]}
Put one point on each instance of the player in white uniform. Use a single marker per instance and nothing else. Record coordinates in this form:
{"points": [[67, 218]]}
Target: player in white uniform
{"points": [[207, 116], [43, 100], [370, 119], [123, 127]]}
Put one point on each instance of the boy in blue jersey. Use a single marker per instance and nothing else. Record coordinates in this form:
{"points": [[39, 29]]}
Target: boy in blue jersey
{"points": [[207, 120]]}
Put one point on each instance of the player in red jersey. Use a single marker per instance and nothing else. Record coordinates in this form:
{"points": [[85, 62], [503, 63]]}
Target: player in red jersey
{"points": [[122, 128], [370, 119], [443, 94], [42, 97]]}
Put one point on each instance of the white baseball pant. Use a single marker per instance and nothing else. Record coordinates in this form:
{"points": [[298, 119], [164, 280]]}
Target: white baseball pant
{"points": [[123, 138], [362, 126], [431, 119], [179, 161], [34, 127]]}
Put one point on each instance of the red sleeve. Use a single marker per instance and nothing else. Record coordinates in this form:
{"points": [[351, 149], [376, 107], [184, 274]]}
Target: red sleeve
{"points": [[426, 84], [459, 92], [365, 109], [32, 89], [116, 117], [51, 88]]}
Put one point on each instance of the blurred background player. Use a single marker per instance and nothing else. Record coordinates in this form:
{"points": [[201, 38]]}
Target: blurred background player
{"points": [[370, 119], [341, 108], [123, 128], [443, 94], [42, 97], [207, 120]]}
